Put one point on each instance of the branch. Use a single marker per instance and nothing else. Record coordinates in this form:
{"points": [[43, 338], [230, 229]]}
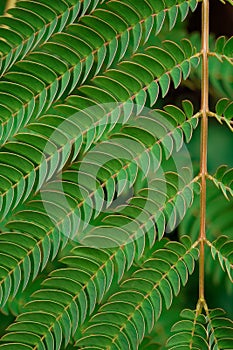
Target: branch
{"points": [[204, 140]]}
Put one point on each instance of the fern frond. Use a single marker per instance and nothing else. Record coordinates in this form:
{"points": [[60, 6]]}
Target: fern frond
{"points": [[223, 112], [30, 221], [91, 181], [40, 84], [151, 211], [215, 225], [45, 148], [223, 179], [154, 69], [220, 330], [68, 296], [191, 332], [129, 8], [31, 23], [223, 49], [45, 239], [16, 263], [222, 248], [70, 293], [220, 71], [33, 168], [197, 331], [141, 298]]}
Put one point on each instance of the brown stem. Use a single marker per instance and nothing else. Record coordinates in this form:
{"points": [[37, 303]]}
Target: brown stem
{"points": [[204, 139]]}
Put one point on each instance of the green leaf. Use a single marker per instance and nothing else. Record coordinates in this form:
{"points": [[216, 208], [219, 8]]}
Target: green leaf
{"points": [[142, 296], [33, 28], [190, 332], [85, 281], [222, 249], [164, 82], [223, 179], [220, 329]]}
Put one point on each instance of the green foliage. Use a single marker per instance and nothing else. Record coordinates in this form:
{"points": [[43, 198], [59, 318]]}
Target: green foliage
{"points": [[95, 177], [141, 296], [197, 331]]}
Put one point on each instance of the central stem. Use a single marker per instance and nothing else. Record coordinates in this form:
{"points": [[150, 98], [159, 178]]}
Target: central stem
{"points": [[204, 139]]}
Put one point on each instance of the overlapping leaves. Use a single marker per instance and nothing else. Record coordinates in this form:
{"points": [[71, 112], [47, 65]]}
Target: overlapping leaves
{"points": [[216, 227], [52, 138], [70, 293], [47, 225], [222, 249], [191, 333], [224, 111], [84, 151], [223, 179], [68, 296], [31, 23], [198, 331], [141, 296], [224, 49], [42, 78]]}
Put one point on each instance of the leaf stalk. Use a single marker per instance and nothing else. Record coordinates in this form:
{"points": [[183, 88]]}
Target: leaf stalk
{"points": [[204, 140]]}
